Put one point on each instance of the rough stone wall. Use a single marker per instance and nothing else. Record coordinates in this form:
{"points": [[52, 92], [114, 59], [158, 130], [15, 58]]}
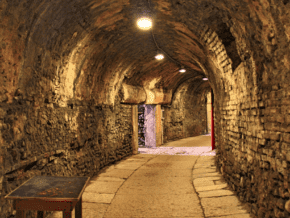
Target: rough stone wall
{"points": [[187, 115], [195, 122], [74, 141], [173, 123], [253, 147], [75, 49], [252, 131], [49, 122]]}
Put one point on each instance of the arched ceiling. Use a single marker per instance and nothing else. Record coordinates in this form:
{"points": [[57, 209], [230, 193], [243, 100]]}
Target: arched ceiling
{"points": [[85, 49]]}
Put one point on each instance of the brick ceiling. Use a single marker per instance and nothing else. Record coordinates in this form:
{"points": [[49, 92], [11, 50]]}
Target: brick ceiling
{"points": [[88, 48]]}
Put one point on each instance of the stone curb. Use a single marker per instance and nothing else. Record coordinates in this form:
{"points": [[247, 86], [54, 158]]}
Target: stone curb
{"points": [[102, 188], [216, 198]]}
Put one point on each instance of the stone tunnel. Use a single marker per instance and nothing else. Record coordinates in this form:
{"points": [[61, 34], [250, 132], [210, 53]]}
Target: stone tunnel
{"points": [[73, 72]]}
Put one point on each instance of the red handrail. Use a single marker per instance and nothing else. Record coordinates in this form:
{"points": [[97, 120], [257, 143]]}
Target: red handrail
{"points": [[212, 123]]}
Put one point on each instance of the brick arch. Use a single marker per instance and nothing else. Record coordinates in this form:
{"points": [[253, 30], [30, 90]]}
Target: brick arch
{"points": [[215, 45], [218, 66]]}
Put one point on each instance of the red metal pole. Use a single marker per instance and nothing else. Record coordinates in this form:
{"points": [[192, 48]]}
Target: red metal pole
{"points": [[212, 123]]}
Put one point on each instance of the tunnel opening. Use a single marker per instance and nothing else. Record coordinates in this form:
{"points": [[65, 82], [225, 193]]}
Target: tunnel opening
{"points": [[81, 52]]}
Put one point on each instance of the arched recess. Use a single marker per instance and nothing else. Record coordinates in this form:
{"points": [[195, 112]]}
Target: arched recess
{"points": [[217, 67], [182, 117], [80, 51]]}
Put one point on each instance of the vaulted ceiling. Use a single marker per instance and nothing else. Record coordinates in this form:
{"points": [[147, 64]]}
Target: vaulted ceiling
{"points": [[86, 49]]}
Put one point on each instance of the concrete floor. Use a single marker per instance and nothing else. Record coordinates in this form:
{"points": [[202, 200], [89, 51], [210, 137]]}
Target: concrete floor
{"points": [[163, 186]]}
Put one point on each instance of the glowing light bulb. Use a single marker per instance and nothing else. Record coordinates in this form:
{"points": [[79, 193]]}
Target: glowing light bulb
{"points": [[182, 70], [144, 23], [205, 79], [159, 56]]}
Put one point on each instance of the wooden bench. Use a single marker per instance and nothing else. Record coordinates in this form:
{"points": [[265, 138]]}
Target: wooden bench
{"points": [[49, 193]]}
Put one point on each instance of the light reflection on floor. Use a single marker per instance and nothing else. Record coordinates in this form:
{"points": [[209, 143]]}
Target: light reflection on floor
{"points": [[164, 150], [202, 151]]}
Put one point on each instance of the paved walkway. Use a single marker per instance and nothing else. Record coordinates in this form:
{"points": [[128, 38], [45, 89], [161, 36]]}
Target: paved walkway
{"points": [[198, 146], [161, 186]]}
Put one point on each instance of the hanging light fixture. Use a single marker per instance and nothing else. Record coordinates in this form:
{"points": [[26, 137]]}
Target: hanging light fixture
{"points": [[144, 23], [182, 69], [159, 55], [204, 78]]}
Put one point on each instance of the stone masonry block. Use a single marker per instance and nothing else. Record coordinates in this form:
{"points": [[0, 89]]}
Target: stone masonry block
{"points": [[260, 135], [274, 135], [262, 141], [287, 119], [279, 165], [206, 36], [285, 146], [284, 164], [288, 156], [271, 152], [215, 193], [213, 36], [219, 48], [205, 30], [286, 137], [280, 118], [229, 68], [214, 43], [225, 63], [285, 101]]}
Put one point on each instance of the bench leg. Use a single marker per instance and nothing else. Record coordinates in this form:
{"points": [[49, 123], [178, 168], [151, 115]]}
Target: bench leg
{"points": [[66, 214], [78, 209], [20, 214], [40, 214]]}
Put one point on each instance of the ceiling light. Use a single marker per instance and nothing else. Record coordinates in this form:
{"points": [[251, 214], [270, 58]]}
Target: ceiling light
{"points": [[204, 78], [144, 23], [182, 70], [159, 56]]}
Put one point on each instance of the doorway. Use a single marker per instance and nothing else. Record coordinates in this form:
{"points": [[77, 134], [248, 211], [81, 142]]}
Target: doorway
{"points": [[146, 125], [141, 126]]}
